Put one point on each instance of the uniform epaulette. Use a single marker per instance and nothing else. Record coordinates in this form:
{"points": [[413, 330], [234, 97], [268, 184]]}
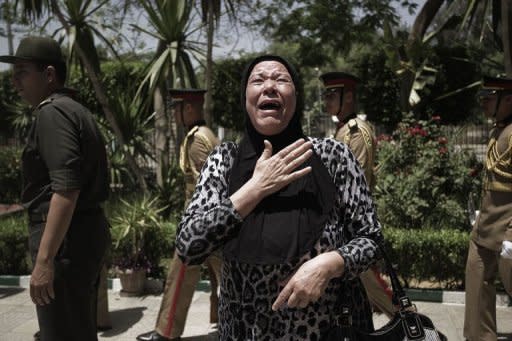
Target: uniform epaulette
{"points": [[192, 131], [46, 101], [352, 124]]}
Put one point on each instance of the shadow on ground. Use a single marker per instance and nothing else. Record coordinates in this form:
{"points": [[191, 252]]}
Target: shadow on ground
{"points": [[210, 337], [504, 337], [123, 319], [6, 292]]}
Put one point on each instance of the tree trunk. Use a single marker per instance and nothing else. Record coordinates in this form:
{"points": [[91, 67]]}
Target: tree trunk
{"points": [[161, 138], [103, 100], [8, 23], [208, 104], [506, 35]]}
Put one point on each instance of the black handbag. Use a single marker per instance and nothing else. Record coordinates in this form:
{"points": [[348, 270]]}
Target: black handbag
{"points": [[406, 325]]}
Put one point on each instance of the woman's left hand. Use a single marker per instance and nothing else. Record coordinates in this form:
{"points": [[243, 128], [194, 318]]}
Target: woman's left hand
{"points": [[308, 283]]}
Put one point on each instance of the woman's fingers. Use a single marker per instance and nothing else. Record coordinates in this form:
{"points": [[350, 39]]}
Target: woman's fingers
{"points": [[294, 146], [282, 298], [294, 155], [267, 151], [273, 172], [297, 161]]}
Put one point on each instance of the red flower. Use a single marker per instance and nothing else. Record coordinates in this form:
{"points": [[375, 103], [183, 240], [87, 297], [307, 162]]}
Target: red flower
{"points": [[442, 140], [474, 172], [417, 131], [384, 137], [443, 150]]}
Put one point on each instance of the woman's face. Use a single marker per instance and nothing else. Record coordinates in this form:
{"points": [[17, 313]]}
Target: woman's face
{"points": [[270, 97]]}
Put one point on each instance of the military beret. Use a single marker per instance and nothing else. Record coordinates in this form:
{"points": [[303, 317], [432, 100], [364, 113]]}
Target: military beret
{"points": [[189, 95], [497, 83], [334, 80], [493, 85], [36, 49]]}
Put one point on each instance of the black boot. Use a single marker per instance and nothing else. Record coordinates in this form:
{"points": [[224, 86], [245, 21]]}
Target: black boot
{"points": [[154, 336]]}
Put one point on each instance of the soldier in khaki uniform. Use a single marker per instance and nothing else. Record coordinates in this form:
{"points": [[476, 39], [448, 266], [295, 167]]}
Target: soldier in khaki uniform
{"points": [[493, 226], [182, 279], [340, 101]]}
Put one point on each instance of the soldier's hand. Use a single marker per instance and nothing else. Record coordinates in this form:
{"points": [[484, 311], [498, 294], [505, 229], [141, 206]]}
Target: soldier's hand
{"points": [[273, 172], [41, 283]]}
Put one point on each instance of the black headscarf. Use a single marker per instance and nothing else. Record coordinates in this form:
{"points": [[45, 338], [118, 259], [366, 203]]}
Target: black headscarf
{"points": [[285, 225]]}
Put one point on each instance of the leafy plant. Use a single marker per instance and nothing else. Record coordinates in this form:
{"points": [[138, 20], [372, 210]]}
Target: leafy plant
{"points": [[10, 174], [14, 255], [423, 179], [134, 222], [172, 192]]}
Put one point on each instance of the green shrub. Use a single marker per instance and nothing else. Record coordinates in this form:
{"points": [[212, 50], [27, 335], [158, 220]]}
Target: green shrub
{"points": [[429, 255], [140, 237], [423, 179], [171, 193], [14, 254], [162, 243], [10, 174]]}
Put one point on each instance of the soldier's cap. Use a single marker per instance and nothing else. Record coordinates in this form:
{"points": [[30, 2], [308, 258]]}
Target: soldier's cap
{"points": [[493, 85], [36, 49], [189, 95], [336, 80]]}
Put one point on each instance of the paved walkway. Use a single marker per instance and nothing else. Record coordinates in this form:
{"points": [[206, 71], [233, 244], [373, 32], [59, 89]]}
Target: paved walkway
{"points": [[134, 315]]}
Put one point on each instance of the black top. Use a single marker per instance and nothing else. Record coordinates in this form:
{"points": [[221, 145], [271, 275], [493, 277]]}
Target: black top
{"points": [[65, 151]]}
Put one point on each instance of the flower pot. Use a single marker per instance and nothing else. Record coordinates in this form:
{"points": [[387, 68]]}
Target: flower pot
{"points": [[132, 281]]}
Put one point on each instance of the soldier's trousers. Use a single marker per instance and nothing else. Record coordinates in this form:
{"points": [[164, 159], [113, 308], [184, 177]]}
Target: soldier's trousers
{"points": [[377, 292], [102, 314], [480, 312], [72, 314], [179, 288]]}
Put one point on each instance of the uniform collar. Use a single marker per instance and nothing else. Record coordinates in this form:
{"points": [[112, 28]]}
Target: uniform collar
{"points": [[58, 93], [346, 119], [503, 123], [200, 122]]}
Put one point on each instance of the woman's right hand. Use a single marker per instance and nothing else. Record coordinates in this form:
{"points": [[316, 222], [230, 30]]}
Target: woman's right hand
{"points": [[271, 173]]}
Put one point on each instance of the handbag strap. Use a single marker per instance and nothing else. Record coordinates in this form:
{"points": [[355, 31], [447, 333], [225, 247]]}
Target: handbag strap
{"points": [[399, 296]]}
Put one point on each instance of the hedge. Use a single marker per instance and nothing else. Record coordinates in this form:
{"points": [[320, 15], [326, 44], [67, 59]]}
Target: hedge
{"points": [[14, 254], [424, 255], [15, 257], [429, 255], [10, 174]]}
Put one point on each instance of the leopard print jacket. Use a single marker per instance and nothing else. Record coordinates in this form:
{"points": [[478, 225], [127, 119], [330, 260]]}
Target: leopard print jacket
{"points": [[248, 290]]}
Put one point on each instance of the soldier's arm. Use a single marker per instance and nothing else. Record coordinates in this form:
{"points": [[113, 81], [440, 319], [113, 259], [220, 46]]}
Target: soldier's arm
{"points": [[360, 150], [60, 213], [199, 149], [59, 146]]}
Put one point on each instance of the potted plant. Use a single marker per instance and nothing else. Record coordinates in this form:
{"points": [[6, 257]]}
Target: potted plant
{"points": [[134, 221]]}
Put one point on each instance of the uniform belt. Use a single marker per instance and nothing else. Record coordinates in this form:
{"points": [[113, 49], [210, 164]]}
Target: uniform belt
{"points": [[498, 186], [37, 217]]}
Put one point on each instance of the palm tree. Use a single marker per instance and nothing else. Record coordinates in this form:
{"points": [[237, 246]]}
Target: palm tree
{"points": [[501, 16], [211, 13], [413, 68], [74, 16], [168, 22]]}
